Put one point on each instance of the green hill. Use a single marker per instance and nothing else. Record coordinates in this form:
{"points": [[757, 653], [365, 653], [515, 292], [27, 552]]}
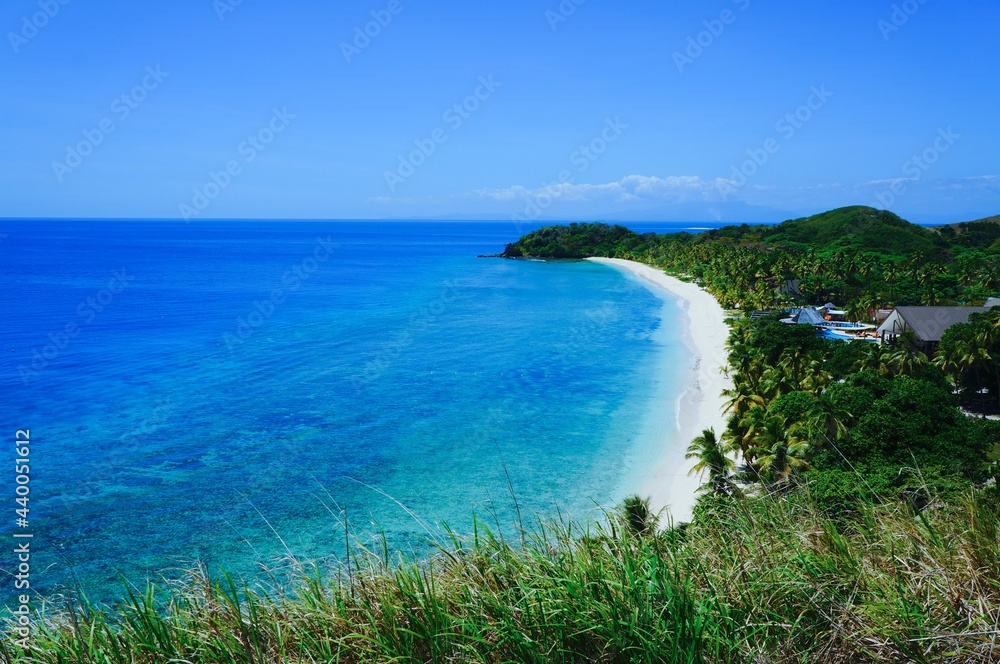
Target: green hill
{"points": [[859, 256], [857, 227], [573, 241], [995, 219], [979, 233]]}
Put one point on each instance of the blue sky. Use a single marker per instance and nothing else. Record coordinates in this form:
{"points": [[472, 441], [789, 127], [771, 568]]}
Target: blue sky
{"points": [[733, 109]]}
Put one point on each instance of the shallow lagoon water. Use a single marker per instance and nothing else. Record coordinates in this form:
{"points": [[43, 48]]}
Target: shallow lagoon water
{"points": [[251, 385]]}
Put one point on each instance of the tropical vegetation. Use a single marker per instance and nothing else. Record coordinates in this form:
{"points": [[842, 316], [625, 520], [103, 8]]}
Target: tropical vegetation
{"points": [[970, 354], [772, 579], [859, 257], [846, 420]]}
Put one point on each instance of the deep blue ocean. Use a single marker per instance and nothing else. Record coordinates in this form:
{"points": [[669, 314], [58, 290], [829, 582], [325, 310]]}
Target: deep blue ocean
{"points": [[229, 392]]}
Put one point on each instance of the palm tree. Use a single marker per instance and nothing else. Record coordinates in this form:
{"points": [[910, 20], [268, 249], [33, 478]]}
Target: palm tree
{"points": [[875, 360], [637, 517], [948, 359], [970, 356], [741, 398], [737, 440], [905, 358], [991, 275], [860, 309], [933, 295], [891, 274], [707, 450], [816, 376], [866, 266], [780, 450], [790, 362], [829, 418], [990, 339], [781, 461], [776, 382], [906, 362], [968, 272]]}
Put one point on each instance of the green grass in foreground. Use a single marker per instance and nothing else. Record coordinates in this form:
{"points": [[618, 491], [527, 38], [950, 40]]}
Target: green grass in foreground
{"points": [[761, 580]]}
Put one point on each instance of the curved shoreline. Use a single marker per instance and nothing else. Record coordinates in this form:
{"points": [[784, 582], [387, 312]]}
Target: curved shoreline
{"points": [[700, 405]]}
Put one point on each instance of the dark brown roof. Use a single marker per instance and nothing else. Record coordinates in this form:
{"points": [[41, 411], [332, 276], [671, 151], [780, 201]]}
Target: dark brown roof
{"points": [[929, 323]]}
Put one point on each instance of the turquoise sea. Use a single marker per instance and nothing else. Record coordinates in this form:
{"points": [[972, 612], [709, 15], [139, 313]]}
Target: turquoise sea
{"points": [[229, 392]]}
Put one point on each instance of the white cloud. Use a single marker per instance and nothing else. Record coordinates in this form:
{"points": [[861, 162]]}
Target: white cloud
{"points": [[631, 188], [887, 182], [695, 195]]}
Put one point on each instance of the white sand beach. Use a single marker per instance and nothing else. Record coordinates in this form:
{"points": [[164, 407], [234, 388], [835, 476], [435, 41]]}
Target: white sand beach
{"points": [[667, 482]]}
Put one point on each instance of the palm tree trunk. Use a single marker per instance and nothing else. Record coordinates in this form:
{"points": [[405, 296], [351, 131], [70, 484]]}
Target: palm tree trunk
{"points": [[996, 371]]}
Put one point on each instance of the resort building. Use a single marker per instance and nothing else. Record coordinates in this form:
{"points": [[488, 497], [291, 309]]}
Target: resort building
{"points": [[808, 316], [829, 315], [832, 323], [926, 323]]}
